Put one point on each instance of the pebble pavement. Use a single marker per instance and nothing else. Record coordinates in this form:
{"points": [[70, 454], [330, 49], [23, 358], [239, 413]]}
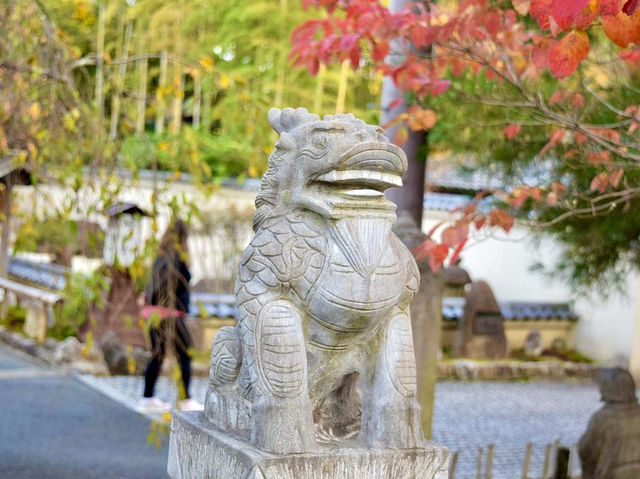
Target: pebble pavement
{"points": [[468, 416]]}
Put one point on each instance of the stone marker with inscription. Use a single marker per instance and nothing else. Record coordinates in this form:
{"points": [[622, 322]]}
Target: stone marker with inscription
{"points": [[481, 330], [317, 379]]}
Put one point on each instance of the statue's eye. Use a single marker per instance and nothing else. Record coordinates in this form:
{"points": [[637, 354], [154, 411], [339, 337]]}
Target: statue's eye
{"points": [[320, 142]]}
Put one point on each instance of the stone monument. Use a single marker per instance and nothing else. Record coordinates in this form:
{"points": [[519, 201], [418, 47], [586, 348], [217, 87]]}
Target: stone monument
{"points": [[480, 333], [610, 448], [533, 345], [317, 379]]}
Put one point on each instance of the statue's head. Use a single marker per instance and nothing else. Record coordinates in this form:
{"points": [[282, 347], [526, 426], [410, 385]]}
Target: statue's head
{"points": [[616, 385], [335, 167]]}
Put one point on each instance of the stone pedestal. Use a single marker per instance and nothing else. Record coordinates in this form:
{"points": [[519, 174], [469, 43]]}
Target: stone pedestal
{"points": [[197, 450]]}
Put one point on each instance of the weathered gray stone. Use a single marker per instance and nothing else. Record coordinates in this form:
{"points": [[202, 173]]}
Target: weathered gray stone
{"points": [[533, 343], [610, 448], [480, 333], [323, 350], [197, 450], [72, 354], [118, 356], [68, 350]]}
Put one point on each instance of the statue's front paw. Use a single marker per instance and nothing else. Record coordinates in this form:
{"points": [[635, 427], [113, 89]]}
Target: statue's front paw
{"points": [[393, 425], [283, 426]]}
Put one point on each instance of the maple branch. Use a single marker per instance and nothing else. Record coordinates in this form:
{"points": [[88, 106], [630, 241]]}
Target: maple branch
{"points": [[605, 102], [92, 59], [48, 74], [592, 210]]}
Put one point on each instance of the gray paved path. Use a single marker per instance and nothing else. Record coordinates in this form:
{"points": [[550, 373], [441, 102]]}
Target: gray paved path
{"points": [[54, 426], [468, 416]]}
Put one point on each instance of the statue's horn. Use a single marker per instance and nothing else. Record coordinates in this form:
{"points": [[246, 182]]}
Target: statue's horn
{"points": [[274, 119]]}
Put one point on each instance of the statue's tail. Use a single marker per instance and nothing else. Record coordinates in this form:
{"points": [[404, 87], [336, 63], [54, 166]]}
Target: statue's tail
{"points": [[226, 357]]}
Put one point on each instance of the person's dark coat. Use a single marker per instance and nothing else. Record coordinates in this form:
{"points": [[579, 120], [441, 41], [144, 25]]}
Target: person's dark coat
{"points": [[169, 285]]}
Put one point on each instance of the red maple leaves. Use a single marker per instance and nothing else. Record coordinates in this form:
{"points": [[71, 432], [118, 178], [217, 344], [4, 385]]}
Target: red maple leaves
{"points": [[427, 46], [463, 38], [566, 54]]}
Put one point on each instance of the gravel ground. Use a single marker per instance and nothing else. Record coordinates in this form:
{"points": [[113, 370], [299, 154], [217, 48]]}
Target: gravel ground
{"points": [[468, 416]]}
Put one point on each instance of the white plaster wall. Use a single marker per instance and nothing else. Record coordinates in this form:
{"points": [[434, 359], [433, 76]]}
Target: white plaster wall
{"points": [[605, 330], [207, 254], [606, 327]]}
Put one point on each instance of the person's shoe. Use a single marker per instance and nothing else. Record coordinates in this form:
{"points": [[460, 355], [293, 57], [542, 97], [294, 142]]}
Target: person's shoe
{"points": [[189, 405], [153, 404]]}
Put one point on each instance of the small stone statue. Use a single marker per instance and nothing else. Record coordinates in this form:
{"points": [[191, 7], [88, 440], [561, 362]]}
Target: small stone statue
{"points": [[323, 352], [610, 448]]}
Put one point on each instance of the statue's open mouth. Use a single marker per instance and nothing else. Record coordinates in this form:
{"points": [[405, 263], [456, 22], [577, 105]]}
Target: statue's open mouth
{"points": [[367, 170]]}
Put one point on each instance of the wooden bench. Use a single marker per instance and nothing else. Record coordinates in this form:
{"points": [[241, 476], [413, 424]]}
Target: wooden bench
{"points": [[44, 301]]}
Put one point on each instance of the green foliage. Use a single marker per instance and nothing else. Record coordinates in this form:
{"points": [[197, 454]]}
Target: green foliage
{"points": [[600, 248], [81, 295], [202, 154], [236, 52], [61, 238], [44, 123], [159, 431], [15, 317]]}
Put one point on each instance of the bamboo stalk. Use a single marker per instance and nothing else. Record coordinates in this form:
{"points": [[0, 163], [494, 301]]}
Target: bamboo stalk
{"points": [[122, 71], [143, 69], [162, 84], [197, 87], [197, 98], [99, 94], [342, 86], [178, 81], [207, 98], [317, 103], [282, 60]]}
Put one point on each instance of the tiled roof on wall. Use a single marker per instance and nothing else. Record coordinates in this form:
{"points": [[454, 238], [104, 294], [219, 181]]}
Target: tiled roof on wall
{"points": [[45, 275], [452, 310]]}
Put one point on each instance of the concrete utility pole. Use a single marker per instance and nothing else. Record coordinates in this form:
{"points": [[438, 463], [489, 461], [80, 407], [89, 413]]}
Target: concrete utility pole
{"points": [[410, 197], [426, 308]]}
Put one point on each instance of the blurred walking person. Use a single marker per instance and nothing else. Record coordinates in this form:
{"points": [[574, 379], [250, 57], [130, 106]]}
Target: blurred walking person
{"points": [[166, 307]]}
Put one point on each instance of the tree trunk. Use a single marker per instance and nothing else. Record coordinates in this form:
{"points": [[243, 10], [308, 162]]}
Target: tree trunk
{"points": [[6, 229]]}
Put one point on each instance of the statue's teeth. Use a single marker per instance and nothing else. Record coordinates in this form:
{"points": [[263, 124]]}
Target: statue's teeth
{"points": [[350, 175], [364, 192]]}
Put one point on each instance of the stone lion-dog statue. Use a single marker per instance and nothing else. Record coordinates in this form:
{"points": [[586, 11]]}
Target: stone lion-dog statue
{"points": [[322, 352]]}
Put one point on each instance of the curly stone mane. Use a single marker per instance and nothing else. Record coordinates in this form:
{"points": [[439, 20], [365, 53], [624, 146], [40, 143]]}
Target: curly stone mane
{"points": [[283, 122]]}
